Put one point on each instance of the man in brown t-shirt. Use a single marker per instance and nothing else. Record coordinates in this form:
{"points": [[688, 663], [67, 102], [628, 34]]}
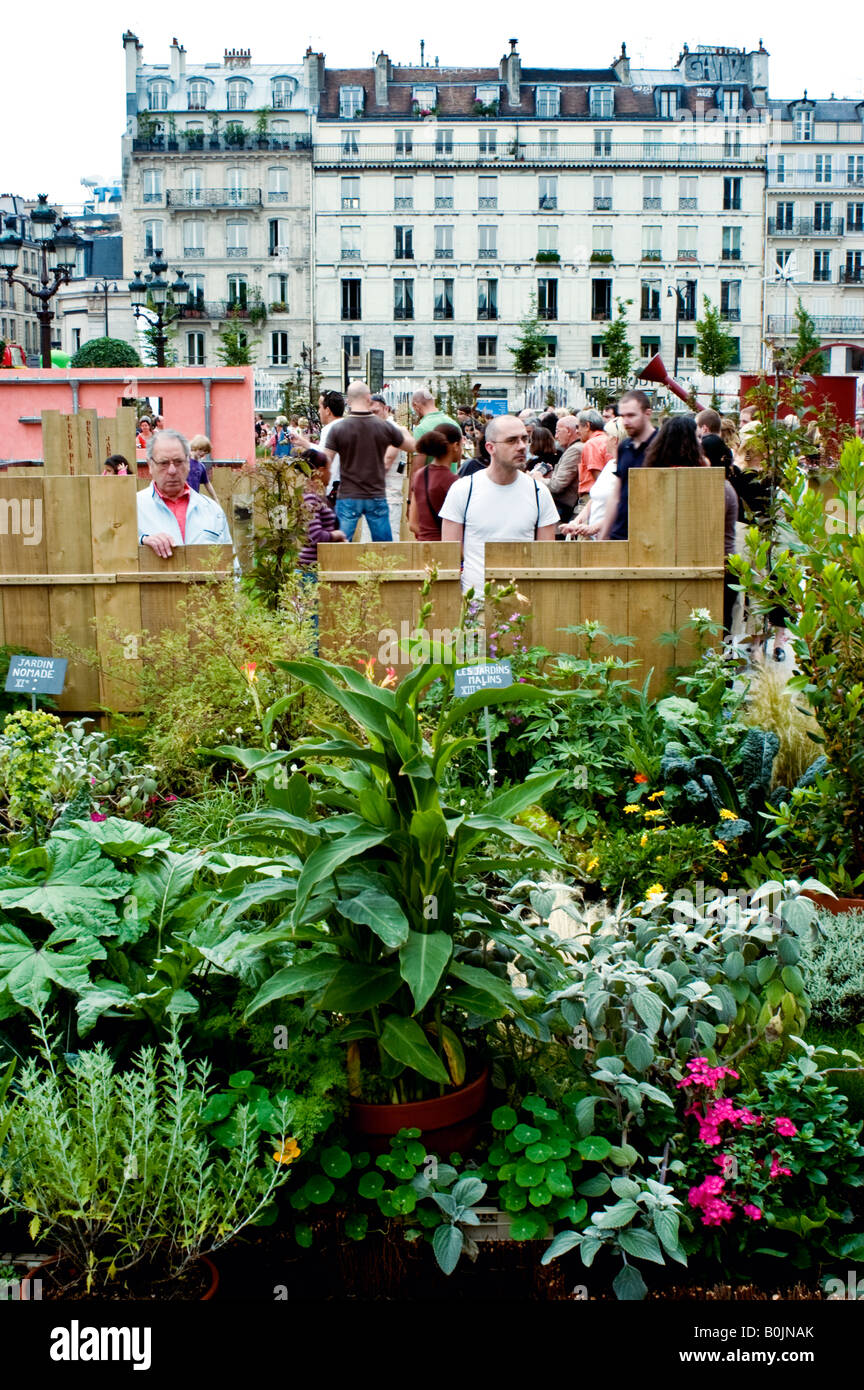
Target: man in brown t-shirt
{"points": [[361, 440]]}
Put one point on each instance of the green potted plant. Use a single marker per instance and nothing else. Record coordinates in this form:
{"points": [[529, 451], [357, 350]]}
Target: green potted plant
{"points": [[214, 132], [257, 310], [120, 1173], [194, 139], [235, 135], [817, 555], [172, 132], [262, 121], [394, 935], [548, 257]]}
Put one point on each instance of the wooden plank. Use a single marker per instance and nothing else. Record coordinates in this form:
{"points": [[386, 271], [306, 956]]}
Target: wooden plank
{"points": [[592, 572], [651, 604], [71, 605], [132, 577], [117, 435], [55, 443], [114, 528], [70, 428], [23, 551], [700, 519], [89, 458]]}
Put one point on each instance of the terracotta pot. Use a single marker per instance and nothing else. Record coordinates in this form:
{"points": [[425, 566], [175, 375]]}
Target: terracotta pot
{"points": [[429, 1116], [836, 905], [209, 1292]]}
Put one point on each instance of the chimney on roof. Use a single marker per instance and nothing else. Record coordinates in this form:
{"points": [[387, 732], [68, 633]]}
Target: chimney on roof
{"points": [[382, 77], [757, 75], [237, 57], [178, 62], [313, 73], [132, 51], [510, 71], [622, 65]]}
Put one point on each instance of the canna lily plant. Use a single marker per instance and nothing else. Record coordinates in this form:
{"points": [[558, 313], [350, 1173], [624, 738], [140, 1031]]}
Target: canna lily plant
{"points": [[382, 880]]}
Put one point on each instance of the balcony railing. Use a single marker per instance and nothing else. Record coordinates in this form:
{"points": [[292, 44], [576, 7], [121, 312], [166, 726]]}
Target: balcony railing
{"points": [[688, 204], [193, 252], [601, 315], [487, 315], [403, 312], [350, 253], [277, 196], [403, 254], [731, 315], [487, 204], [443, 202], [236, 252], [487, 253], [806, 178], [652, 204], [851, 276], [214, 197], [688, 254], [602, 204], [650, 316], [548, 203], [650, 254], [565, 153], [218, 143], [805, 226], [730, 253], [153, 197], [823, 323], [403, 204]]}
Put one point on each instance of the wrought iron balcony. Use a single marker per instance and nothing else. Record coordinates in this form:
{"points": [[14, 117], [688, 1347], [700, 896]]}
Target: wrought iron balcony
{"points": [[851, 276], [487, 204], [731, 315], [403, 204], [805, 226], [688, 204], [564, 153], [652, 204], [548, 203], [443, 253], [214, 197], [650, 315], [191, 252], [651, 254], [443, 202], [823, 323], [602, 204], [350, 253], [688, 254], [236, 252]]}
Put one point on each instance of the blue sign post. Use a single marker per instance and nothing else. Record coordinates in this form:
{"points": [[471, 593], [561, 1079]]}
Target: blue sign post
{"points": [[485, 675], [42, 675]]}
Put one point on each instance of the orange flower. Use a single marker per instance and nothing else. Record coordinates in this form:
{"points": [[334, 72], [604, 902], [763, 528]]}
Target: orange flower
{"points": [[640, 777], [249, 669], [288, 1150], [368, 667], [389, 679]]}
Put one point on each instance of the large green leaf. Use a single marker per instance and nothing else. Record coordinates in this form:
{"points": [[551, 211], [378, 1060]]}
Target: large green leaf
{"points": [[447, 1243], [509, 695], [644, 1245], [380, 912], [487, 983], [28, 971], [476, 1001], [103, 997], [322, 862], [516, 799], [404, 1039], [168, 879], [355, 988], [366, 704], [122, 839], [423, 959], [483, 820], [70, 884], [308, 978]]}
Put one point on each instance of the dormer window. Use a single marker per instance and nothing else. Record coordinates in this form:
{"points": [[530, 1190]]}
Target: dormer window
{"points": [[196, 95], [667, 103], [803, 125], [730, 102], [281, 93], [350, 102], [158, 96], [238, 94], [602, 103], [424, 98], [487, 98], [548, 102]]}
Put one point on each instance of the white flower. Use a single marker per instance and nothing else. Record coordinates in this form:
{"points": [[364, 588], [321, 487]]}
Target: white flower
{"points": [[273, 747], [700, 615], [294, 767], [463, 802], [238, 730]]}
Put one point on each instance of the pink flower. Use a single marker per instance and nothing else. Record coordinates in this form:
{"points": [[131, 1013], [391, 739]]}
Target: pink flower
{"points": [[701, 1073], [784, 1127], [753, 1212], [706, 1198], [170, 797], [777, 1171], [97, 815]]}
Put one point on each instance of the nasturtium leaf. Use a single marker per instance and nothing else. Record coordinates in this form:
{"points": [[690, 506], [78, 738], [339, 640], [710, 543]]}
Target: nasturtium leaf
{"points": [[527, 1134], [539, 1153], [336, 1162], [528, 1227], [303, 1235], [594, 1148], [318, 1189], [356, 1225], [540, 1196], [504, 1117], [370, 1185], [528, 1174]]}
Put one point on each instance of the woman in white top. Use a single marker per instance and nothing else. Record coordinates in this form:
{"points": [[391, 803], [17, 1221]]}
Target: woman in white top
{"points": [[590, 519]]}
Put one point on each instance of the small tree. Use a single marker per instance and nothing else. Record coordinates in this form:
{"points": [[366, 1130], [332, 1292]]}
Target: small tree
{"points": [[105, 352], [619, 353], [716, 350], [236, 349], [806, 341], [529, 350]]}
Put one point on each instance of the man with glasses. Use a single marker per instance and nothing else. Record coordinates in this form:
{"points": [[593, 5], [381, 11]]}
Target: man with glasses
{"points": [[170, 513], [501, 503]]}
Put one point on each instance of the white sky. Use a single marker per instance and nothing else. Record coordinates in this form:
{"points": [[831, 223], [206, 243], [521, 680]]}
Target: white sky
{"points": [[62, 72]]}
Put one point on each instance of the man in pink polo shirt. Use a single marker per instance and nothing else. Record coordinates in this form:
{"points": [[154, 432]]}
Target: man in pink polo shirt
{"points": [[170, 513]]}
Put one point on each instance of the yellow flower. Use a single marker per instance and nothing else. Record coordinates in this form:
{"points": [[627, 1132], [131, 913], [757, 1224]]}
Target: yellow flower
{"points": [[630, 810], [724, 876], [719, 846], [593, 864], [727, 815], [644, 839], [657, 811], [654, 891], [655, 795], [288, 1151]]}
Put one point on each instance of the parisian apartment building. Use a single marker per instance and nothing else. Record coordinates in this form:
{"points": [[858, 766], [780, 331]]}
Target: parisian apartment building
{"points": [[424, 211]]}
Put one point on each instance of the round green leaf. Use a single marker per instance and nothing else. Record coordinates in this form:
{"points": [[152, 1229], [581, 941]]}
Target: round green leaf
{"points": [[370, 1185], [527, 1134], [319, 1189], [513, 1198], [538, 1153], [356, 1225], [404, 1200], [788, 950], [535, 1105], [336, 1162], [528, 1227], [504, 1117], [595, 1148], [540, 1196], [361, 1160], [529, 1174], [299, 1200], [561, 1147], [792, 979], [303, 1236], [559, 1184], [765, 969]]}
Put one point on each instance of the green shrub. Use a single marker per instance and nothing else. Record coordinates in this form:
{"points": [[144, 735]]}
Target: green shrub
{"points": [[833, 968], [106, 352]]}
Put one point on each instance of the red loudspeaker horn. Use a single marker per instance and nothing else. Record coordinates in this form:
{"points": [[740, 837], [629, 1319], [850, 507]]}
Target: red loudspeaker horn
{"points": [[656, 371]]}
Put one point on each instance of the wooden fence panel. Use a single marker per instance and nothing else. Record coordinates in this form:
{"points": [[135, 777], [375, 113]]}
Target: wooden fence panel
{"points": [[117, 435], [71, 607], [22, 552], [117, 607], [700, 514]]}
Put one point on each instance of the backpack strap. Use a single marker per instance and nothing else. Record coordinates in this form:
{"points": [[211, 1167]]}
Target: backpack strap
{"points": [[537, 497]]}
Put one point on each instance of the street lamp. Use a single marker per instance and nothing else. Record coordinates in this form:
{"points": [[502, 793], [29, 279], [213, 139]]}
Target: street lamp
{"points": [[104, 288], [58, 245], [680, 303], [155, 285]]}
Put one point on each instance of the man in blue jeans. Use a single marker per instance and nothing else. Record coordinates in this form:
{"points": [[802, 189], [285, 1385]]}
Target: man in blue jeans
{"points": [[361, 440]]}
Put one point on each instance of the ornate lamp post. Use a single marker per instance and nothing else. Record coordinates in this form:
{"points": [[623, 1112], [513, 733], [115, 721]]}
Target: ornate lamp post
{"points": [[102, 287], [155, 285], [58, 244]]}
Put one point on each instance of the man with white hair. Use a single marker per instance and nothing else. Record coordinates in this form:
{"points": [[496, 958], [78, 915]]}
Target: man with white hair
{"points": [[423, 404], [563, 481], [500, 503], [362, 440], [170, 513]]}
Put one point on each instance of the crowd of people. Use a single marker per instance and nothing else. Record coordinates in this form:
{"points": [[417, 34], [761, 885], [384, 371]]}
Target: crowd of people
{"points": [[546, 475]]}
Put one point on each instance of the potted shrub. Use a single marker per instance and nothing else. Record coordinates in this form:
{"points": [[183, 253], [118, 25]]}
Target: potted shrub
{"points": [[278, 307], [816, 555], [119, 1172], [214, 133], [261, 124], [235, 135], [194, 139], [394, 936], [172, 133]]}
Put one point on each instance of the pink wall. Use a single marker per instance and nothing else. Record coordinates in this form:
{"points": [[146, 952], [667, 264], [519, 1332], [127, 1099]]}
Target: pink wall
{"points": [[25, 394]]}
